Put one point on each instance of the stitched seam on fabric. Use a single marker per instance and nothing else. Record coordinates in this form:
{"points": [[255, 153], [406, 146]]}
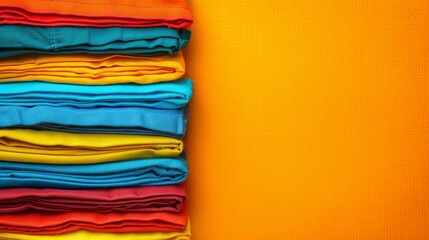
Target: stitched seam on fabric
{"points": [[54, 38], [125, 171], [113, 4], [163, 114], [51, 38]]}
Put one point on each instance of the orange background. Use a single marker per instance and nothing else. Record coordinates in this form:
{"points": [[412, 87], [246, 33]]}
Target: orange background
{"points": [[310, 120]]}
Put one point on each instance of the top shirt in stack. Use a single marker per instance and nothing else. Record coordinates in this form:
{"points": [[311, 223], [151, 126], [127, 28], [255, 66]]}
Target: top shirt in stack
{"points": [[97, 13], [93, 107]]}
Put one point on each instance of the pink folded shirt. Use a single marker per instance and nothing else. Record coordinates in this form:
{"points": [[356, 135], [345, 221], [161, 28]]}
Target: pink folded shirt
{"points": [[97, 13], [130, 199]]}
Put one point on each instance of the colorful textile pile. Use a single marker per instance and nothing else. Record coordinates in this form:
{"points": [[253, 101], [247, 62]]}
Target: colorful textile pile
{"points": [[94, 112]]}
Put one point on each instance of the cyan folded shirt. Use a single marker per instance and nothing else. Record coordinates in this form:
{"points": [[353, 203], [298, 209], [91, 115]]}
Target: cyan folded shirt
{"points": [[140, 172], [164, 95], [21, 39], [153, 109], [112, 120]]}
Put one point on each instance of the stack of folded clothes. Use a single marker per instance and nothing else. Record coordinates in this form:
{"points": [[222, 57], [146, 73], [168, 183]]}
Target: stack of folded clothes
{"points": [[93, 108]]}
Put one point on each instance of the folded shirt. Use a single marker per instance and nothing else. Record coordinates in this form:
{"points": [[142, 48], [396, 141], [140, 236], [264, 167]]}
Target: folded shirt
{"points": [[92, 69], [163, 95], [140, 172], [20, 39], [38, 222], [116, 120], [103, 200], [124, 13], [51, 147], [84, 234]]}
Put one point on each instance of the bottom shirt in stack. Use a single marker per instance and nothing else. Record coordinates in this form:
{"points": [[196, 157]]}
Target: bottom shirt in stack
{"points": [[83, 234]]}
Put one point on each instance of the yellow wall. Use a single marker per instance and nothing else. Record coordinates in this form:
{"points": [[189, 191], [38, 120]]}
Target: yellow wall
{"points": [[310, 120]]}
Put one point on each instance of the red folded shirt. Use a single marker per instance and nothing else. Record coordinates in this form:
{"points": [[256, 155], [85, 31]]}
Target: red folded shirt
{"points": [[131, 199], [97, 13], [36, 222]]}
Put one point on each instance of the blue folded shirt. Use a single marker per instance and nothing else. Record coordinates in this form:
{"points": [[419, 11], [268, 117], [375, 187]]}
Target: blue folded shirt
{"points": [[153, 109], [163, 95], [120, 120], [141, 172]]}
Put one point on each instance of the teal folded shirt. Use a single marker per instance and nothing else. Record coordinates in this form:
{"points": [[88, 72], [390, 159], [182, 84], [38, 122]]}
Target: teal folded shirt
{"points": [[21, 39]]}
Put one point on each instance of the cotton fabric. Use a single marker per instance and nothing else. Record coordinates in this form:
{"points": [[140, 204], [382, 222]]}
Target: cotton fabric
{"points": [[103, 200], [20, 39], [51, 147], [163, 95], [122, 120], [83, 234], [39, 222], [125, 13], [98, 158], [138, 172], [92, 69]]}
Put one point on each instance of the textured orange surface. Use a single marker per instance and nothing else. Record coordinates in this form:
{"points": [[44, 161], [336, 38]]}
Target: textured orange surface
{"points": [[310, 120]]}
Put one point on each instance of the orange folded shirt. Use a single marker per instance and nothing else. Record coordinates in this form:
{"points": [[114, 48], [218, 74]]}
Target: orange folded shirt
{"points": [[97, 13], [90, 69], [38, 222]]}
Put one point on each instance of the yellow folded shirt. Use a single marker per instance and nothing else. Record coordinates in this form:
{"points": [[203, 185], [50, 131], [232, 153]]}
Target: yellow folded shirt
{"points": [[92, 69], [84, 235], [50, 147]]}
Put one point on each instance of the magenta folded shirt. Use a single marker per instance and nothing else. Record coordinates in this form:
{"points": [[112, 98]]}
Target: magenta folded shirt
{"points": [[130, 199]]}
